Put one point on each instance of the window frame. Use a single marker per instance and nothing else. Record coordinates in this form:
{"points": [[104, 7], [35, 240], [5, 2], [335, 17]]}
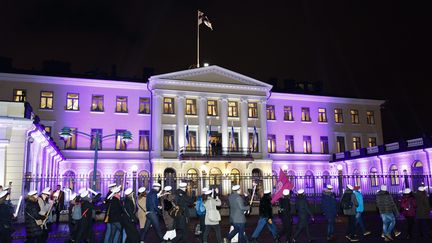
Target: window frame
{"points": [[289, 144], [338, 115], [146, 105], [324, 144], [92, 103], [93, 132], [143, 134], [305, 116], [307, 144], [233, 109], [370, 117], [191, 107], [46, 100], [355, 117], [271, 143], [270, 112], [339, 146], [212, 107], [322, 115], [168, 107], [121, 104], [74, 140], [252, 109], [288, 112], [173, 140], [356, 143], [72, 99], [372, 140], [23, 96], [120, 144]]}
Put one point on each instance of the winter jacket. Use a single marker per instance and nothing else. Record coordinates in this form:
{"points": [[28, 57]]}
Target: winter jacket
{"points": [[152, 201], [211, 204], [359, 197], [237, 208], [423, 207], [285, 206], [130, 210], [329, 204], [302, 207], [115, 211], [141, 214], [385, 203], [31, 215], [265, 207], [352, 210], [6, 212], [183, 201], [408, 206]]}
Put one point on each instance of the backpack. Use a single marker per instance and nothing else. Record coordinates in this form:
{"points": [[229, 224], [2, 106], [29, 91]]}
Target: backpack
{"points": [[199, 207], [76, 212], [346, 202]]}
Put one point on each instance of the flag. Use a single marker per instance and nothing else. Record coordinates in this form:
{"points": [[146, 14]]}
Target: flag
{"points": [[209, 135], [202, 18], [254, 139], [187, 133], [232, 137], [284, 183]]}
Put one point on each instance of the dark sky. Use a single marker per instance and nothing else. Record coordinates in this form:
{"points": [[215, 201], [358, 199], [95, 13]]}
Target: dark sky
{"points": [[369, 49]]}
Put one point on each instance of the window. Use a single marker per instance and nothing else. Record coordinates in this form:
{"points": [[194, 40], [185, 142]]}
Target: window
{"points": [[121, 104], [211, 107], [394, 175], [374, 177], [120, 143], [192, 144], [252, 110], [94, 133], [48, 130], [168, 105], [143, 140], [305, 114], [72, 102], [271, 143], [71, 143], [235, 177], [144, 105], [46, 100], [372, 142], [340, 144], [370, 117], [98, 180], [357, 179], [356, 143], [288, 113], [270, 112], [307, 144], [324, 145], [322, 115], [233, 144], [354, 116], [232, 108], [97, 103], [168, 140], [253, 142], [19, 95], [191, 108], [338, 115], [289, 144]]}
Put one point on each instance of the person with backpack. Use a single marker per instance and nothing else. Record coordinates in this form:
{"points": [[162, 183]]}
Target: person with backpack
{"points": [[388, 211], [201, 212], [423, 211], [329, 208], [408, 210], [183, 201], [265, 218], [168, 213], [359, 211], [85, 225], [349, 204], [304, 213], [212, 215]]}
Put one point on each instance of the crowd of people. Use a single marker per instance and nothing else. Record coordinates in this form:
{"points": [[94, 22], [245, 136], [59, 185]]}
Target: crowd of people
{"points": [[130, 217]]}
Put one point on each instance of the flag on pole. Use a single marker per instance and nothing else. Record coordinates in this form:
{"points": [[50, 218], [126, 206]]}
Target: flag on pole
{"points": [[187, 133], [202, 18], [209, 135], [284, 183], [232, 136], [254, 139]]}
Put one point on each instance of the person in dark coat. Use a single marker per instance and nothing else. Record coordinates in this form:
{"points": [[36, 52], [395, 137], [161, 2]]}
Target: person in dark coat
{"points": [[423, 211], [183, 201], [237, 214], [7, 215], [129, 220], [85, 224], [265, 217], [115, 215], [349, 206], [408, 210], [58, 197], [106, 203], [32, 218], [303, 212], [388, 211], [329, 208], [152, 206], [72, 222], [285, 215]]}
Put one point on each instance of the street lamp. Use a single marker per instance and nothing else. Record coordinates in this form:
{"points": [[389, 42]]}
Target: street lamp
{"points": [[67, 133], [339, 167]]}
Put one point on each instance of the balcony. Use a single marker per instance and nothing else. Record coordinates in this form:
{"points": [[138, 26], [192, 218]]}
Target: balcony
{"points": [[209, 153]]}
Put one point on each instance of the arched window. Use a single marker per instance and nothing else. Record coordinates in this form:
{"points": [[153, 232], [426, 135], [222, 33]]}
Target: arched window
{"points": [[235, 177], [215, 177], [69, 180], [356, 177], [119, 177], [98, 180], [192, 175], [170, 178], [309, 179], [417, 173], [374, 177], [143, 179], [394, 175], [326, 178], [257, 177]]}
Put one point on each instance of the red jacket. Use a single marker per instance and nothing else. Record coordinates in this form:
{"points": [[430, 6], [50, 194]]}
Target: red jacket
{"points": [[408, 206]]}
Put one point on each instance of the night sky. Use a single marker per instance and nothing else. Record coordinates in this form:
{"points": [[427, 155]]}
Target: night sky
{"points": [[368, 49]]}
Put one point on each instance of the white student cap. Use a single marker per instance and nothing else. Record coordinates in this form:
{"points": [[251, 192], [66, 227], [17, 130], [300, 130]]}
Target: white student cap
{"points": [[141, 189], [31, 193], [383, 188], [183, 184], [128, 191], [236, 187], [407, 191], [208, 192], [167, 188], [46, 191], [112, 185], [156, 184], [350, 187], [267, 191], [300, 191], [286, 192], [3, 193], [84, 194], [330, 187]]}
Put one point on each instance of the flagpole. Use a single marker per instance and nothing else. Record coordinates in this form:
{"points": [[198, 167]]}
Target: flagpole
{"points": [[198, 42]]}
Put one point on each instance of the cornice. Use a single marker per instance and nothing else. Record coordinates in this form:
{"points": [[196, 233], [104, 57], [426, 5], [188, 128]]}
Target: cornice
{"points": [[325, 99]]}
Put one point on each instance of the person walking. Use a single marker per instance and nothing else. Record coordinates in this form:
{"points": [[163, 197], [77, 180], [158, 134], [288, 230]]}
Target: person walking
{"points": [[46, 206], [183, 202], [304, 213], [212, 216], [201, 213], [7, 215], [33, 219], [388, 210], [349, 205], [329, 208], [169, 211], [152, 214], [422, 212], [285, 215], [359, 211], [115, 215], [408, 208], [141, 213], [58, 198], [107, 204], [74, 213], [129, 220], [85, 224], [265, 218], [237, 214]]}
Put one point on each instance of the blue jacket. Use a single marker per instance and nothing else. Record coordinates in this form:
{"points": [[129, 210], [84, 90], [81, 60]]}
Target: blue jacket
{"points": [[329, 205], [152, 202], [359, 198]]}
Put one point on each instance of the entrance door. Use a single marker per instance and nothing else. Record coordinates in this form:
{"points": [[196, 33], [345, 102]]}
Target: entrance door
{"points": [[170, 178], [215, 147]]}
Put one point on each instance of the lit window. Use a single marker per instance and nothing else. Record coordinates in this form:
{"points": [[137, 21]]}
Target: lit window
{"points": [[372, 142], [324, 145], [338, 115], [168, 105], [289, 144], [144, 105], [354, 116], [192, 144], [305, 114], [121, 104], [233, 109], [96, 133], [19, 95], [394, 175], [374, 177], [46, 100], [97, 103], [307, 145], [271, 143], [235, 177], [48, 130], [356, 143], [253, 142], [120, 143], [252, 110], [271, 112], [288, 113], [370, 117], [322, 115], [191, 108], [211, 107], [168, 140], [143, 140], [340, 144], [71, 142], [72, 102]]}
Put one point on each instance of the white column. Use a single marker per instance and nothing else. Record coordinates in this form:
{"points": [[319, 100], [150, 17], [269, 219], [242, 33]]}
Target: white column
{"points": [[180, 115], [202, 117], [157, 125], [3, 143], [263, 127], [224, 123], [244, 141]]}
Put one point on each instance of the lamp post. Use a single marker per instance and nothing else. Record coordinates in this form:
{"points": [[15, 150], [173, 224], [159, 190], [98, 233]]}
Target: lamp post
{"points": [[134, 177], [340, 174], [67, 132]]}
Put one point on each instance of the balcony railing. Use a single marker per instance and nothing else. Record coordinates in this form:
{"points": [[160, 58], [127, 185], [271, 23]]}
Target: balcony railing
{"points": [[215, 153]]}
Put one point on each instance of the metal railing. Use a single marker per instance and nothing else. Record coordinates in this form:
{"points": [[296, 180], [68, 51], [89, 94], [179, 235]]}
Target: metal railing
{"points": [[215, 153]]}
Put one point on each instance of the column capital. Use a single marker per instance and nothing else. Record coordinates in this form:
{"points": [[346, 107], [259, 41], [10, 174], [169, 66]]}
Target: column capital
{"points": [[224, 99], [263, 100], [202, 98], [243, 100], [181, 97]]}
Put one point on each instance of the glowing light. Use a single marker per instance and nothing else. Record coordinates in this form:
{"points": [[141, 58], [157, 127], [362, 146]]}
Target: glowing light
{"points": [[284, 167], [339, 167], [206, 64], [134, 168]]}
